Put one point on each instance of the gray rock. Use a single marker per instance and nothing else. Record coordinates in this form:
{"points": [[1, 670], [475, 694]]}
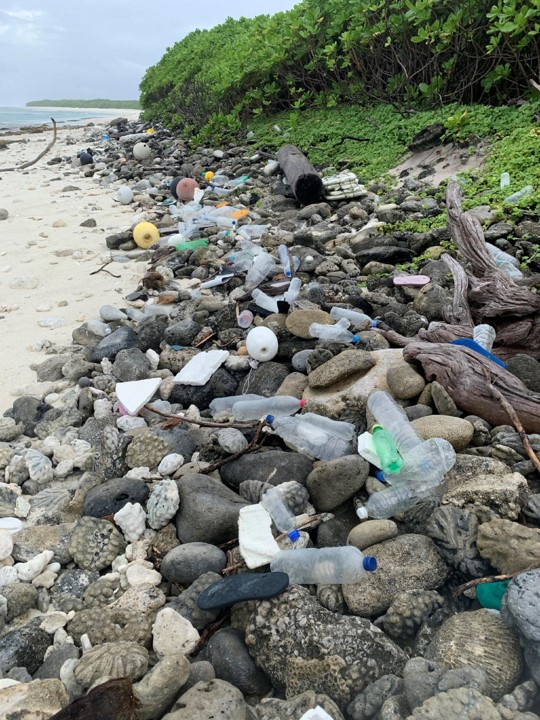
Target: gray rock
{"points": [[30, 541], [186, 563], [454, 531], [131, 364], [527, 369], [232, 662], [210, 700], [442, 400], [509, 546], [186, 603], [425, 678], [110, 346], [414, 412], [151, 331], [456, 705], [407, 562], [24, 647], [208, 511], [333, 482], [259, 466], [54, 661], [348, 362], [372, 532], [520, 605], [51, 368], [182, 333], [367, 704], [457, 431], [37, 699], [408, 610], [317, 358], [109, 498], [265, 380], [28, 411], [431, 301], [521, 698], [76, 368], [199, 671], [3, 214], [20, 596], [160, 686], [299, 360], [221, 384], [404, 382], [301, 646], [296, 707]]}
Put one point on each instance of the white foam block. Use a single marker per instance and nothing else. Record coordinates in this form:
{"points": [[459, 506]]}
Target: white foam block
{"points": [[316, 714], [200, 368], [257, 544], [367, 450], [136, 393]]}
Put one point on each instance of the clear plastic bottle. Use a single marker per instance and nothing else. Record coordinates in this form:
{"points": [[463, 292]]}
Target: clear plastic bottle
{"points": [[293, 290], [315, 435], [262, 266], [505, 179], [285, 260], [394, 420], [391, 462], [500, 256], [224, 404], [274, 503], [425, 465], [252, 232], [265, 301], [335, 333], [356, 318], [391, 501], [324, 566], [485, 336], [279, 406], [519, 195]]}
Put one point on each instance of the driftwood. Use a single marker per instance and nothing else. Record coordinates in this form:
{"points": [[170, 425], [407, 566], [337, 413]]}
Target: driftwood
{"points": [[461, 372], [41, 154], [304, 180]]}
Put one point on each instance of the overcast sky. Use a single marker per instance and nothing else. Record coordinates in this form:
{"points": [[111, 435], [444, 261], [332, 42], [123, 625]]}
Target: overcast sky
{"points": [[61, 49]]}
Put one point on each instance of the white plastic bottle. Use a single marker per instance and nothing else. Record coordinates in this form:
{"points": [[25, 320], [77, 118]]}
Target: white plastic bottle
{"points": [[355, 317], [334, 333], [323, 566], [279, 406], [485, 336], [274, 503], [262, 266], [252, 232], [265, 301], [293, 291]]}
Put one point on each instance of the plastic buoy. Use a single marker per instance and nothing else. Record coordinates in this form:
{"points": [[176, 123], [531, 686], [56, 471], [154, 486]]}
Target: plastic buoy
{"points": [[145, 234], [262, 344], [141, 151], [124, 195], [86, 158], [208, 176], [186, 189], [173, 186]]}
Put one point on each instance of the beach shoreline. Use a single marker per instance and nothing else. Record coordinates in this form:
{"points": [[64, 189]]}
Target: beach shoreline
{"points": [[47, 258], [95, 115]]}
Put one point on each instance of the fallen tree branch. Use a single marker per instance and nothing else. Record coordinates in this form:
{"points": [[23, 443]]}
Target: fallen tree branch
{"points": [[251, 447], [491, 579], [179, 419], [41, 154], [514, 418]]}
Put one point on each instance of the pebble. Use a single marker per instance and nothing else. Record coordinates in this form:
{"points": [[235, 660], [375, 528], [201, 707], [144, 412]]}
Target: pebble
{"points": [[371, 533], [457, 431], [172, 633]]}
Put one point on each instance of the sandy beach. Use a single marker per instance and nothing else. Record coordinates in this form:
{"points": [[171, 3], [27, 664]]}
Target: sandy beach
{"points": [[47, 257]]}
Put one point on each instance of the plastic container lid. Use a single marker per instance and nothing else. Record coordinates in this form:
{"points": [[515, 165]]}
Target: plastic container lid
{"points": [[362, 513], [369, 563], [270, 419], [355, 339], [294, 535]]}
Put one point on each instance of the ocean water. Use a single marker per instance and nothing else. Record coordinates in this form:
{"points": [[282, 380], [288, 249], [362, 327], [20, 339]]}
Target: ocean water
{"points": [[14, 117]]}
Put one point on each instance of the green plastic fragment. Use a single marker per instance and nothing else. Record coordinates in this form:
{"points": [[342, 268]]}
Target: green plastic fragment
{"points": [[391, 461], [490, 595], [191, 244]]}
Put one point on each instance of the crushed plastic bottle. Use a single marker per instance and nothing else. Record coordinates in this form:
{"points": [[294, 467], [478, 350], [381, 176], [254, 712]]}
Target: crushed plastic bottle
{"points": [[293, 291], [505, 180], [281, 405], [264, 301], [507, 263], [394, 420], [391, 462], [225, 404], [274, 503], [391, 501], [355, 317], [262, 266], [335, 333], [485, 336], [314, 435], [519, 195], [324, 566]]}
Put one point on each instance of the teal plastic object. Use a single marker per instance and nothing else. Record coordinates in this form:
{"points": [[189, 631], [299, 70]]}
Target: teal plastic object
{"points": [[490, 595], [391, 461]]}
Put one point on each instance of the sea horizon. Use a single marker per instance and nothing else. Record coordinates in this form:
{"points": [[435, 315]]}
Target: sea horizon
{"points": [[13, 116]]}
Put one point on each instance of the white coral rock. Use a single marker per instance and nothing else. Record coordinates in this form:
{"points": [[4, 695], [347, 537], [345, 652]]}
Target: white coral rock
{"points": [[132, 520], [39, 467], [29, 570], [170, 464], [163, 504]]}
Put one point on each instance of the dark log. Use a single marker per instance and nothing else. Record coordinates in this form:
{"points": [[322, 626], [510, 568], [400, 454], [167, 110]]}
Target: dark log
{"points": [[304, 180], [41, 154], [112, 700], [462, 372]]}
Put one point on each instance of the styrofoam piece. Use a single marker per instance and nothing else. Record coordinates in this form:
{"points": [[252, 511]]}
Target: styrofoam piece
{"points": [[316, 713], [12, 524], [200, 368], [257, 544], [134, 394], [366, 449]]}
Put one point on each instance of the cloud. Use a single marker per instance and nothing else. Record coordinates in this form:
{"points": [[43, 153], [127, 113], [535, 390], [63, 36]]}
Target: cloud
{"points": [[26, 15]]}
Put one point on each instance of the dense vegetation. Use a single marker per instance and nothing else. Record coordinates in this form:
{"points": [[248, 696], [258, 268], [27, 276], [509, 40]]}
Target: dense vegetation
{"points": [[322, 53], [98, 104]]}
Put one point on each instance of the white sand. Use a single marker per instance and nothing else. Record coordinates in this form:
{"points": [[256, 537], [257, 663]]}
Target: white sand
{"points": [[58, 259]]}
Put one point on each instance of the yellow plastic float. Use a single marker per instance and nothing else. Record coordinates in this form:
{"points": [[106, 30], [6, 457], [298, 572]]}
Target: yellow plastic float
{"points": [[145, 235]]}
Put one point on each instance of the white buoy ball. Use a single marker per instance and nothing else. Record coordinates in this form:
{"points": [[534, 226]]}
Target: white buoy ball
{"points": [[124, 195], [262, 344], [141, 151]]}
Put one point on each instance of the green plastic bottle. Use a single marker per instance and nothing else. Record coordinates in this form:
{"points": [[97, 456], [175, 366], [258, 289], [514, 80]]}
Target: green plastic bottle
{"points": [[191, 244], [391, 461]]}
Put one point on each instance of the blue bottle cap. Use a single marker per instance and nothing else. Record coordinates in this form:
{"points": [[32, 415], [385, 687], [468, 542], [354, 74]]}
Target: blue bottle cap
{"points": [[380, 477], [355, 339], [369, 563], [374, 323], [293, 535], [270, 419]]}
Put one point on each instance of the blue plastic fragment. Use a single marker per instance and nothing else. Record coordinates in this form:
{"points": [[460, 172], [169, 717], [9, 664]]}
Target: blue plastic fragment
{"points": [[472, 345]]}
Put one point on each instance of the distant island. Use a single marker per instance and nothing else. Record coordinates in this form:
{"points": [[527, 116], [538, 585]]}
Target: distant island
{"points": [[98, 104]]}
